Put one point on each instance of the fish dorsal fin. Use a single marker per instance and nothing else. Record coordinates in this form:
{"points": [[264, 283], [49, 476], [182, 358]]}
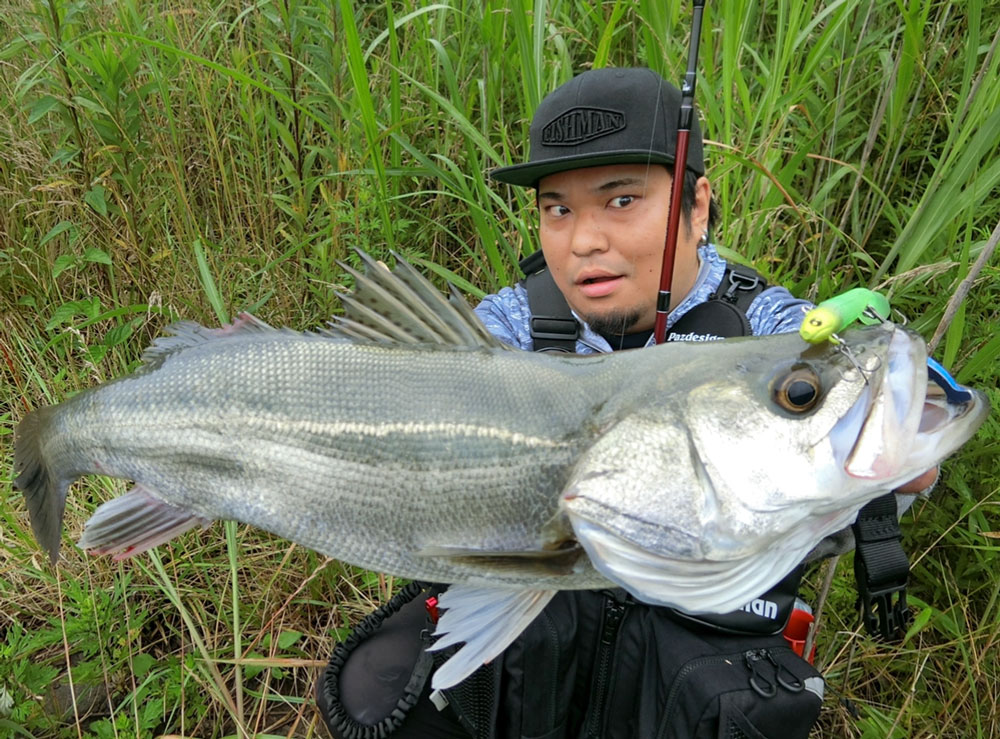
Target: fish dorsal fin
{"points": [[185, 334], [403, 307]]}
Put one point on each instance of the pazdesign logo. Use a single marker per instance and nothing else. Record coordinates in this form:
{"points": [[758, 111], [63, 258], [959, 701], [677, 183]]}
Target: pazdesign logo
{"points": [[577, 125], [674, 336]]}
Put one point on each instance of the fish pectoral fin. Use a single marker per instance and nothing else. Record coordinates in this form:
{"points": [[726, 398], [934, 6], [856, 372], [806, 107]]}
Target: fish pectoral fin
{"points": [[134, 522], [557, 561], [694, 585], [488, 620]]}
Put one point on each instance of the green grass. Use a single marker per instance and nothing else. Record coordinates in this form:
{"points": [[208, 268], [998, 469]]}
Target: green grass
{"points": [[166, 161]]}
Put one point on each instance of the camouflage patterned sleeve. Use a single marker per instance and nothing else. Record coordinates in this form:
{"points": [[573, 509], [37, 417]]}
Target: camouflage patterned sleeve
{"points": [[505, 315], [776, 311]]}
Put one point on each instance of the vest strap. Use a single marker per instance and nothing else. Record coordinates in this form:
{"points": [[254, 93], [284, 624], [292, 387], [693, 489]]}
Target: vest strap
{"points": [[553, 327], [881, 569]]}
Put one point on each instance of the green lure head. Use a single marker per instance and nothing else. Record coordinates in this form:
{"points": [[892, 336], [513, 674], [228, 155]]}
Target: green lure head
{"points": [[833, 315]]}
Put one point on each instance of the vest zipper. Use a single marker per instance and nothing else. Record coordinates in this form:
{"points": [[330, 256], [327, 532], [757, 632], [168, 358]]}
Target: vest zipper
{"points": [[614, 612], [553, 638], [678, 683]]}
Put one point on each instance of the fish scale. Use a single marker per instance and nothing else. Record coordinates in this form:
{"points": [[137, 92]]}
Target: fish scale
{"points": [[255, 431]]}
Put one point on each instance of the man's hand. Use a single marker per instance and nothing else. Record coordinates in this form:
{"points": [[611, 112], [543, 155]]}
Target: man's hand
{"points": [[921, 483]]}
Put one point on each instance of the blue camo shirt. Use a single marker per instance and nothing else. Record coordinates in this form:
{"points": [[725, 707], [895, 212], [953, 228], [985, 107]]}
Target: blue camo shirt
{"points": [[774, 311]]}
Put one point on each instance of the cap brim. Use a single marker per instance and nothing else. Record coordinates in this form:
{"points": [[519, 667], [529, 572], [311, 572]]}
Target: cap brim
{"points": [[529, 173]]}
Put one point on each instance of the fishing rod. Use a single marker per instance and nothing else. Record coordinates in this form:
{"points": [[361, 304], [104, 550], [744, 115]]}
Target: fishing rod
{"points": [[677, 185]]}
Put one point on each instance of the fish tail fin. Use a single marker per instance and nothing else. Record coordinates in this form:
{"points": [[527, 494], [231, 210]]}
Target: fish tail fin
{"points": [[135, 522], [44, 490]]}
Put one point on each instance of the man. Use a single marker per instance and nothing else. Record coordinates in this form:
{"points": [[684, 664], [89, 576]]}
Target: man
{"points": [[602, 150], [600, 146]]}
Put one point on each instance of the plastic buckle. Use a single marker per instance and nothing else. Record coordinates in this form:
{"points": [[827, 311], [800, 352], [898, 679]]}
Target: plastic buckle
{"points": [[431, 605], [882, 615], [796, 632], [740, 282], [554, 328]]}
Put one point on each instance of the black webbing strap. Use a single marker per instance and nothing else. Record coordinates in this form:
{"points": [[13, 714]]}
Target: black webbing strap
{"points": [[881, 569], [740, 286], [553, 327]]}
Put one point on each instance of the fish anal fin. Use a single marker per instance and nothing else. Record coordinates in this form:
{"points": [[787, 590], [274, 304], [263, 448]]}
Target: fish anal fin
{"points": [[134, 523], [559, 560], [487, 620]]}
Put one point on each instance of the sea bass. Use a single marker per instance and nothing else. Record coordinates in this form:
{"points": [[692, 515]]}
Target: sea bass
{"points": [[406, 439]]}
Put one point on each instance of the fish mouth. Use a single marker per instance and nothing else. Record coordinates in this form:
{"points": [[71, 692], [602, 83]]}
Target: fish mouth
{"points": [[911, 421], [944, 422]]}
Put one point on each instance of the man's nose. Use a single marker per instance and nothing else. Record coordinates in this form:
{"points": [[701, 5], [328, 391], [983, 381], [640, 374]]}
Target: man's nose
{"points": [[589, 235]]}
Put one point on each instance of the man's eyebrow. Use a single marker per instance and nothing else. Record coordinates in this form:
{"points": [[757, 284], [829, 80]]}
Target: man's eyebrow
{"points": [[603, 187], [622, 182]]}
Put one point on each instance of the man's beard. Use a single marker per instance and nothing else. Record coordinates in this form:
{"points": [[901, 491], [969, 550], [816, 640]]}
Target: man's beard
{"points": [[614, 323]]}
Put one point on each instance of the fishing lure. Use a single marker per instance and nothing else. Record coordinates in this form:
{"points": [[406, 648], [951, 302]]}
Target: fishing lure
{"points": [[869, 307], [860, 304]]}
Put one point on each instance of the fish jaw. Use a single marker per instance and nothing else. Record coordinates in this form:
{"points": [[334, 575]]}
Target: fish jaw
{"points": [[944, 427], [691, 585], [882, 447], [916, 422]]}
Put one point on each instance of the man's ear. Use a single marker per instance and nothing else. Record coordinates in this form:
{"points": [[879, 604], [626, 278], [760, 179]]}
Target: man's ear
{"points": [[702, 200]]}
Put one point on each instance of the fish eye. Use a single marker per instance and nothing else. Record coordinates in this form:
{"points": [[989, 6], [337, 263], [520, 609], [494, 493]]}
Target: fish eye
{"points": [[798, 391]]}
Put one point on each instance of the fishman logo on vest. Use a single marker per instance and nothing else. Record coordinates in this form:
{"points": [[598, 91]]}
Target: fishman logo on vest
{"points": [[578, 125], [763, 608]]}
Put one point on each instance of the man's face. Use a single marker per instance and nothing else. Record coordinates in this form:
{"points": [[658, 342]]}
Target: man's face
{"points": [[602, 231]]}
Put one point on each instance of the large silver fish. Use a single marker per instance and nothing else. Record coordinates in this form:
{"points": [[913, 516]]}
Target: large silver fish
{"points": [[408, 440]]}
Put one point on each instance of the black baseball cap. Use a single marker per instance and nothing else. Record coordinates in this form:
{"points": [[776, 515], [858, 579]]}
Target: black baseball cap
{"points": [[605, 116]]}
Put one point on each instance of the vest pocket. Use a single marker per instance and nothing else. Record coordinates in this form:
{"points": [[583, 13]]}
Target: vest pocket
{"points": [[763, 692]]}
